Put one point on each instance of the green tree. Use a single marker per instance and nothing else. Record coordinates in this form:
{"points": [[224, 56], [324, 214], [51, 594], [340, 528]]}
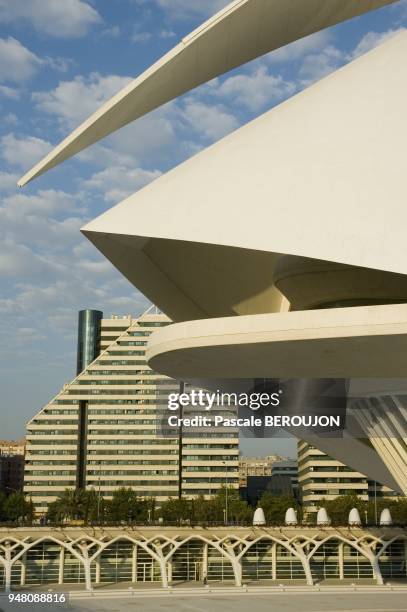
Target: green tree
{"points": [[176, 510], [93, 507], [3, 498], [238, 511], [125, 506], [76, 504], [71, 504], [17, 508], [398, 511], [338, 509], [214, 510], [55, 513], [397, 507], [276, 506]]}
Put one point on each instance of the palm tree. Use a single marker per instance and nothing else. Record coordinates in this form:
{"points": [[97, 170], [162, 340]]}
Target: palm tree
{"points": [[72, 504]]}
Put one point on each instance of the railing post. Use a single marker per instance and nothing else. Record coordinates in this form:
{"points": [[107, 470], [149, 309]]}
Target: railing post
{"points": [[205, 562], [7, 567], [340, 559], [61, 565], [134, 564], [274, 561], [97, 573]]}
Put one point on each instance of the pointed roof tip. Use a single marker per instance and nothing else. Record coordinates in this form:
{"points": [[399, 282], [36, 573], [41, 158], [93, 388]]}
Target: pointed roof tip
{"points": [[153, 309], [35, 171], [174, 74]]}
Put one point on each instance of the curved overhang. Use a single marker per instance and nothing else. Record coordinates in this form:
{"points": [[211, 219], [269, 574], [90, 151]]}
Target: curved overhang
{"points": [[320, 176], [336, 343], [242, 31]]}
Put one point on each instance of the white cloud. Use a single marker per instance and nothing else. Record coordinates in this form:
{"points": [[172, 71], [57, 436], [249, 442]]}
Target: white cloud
{"points": [[372, 40], [113, 32], [167, 34], [60, 64], [73, 101], [29, 334], [58, 18], [9, 92], [17, 260], [10, 119], [318, 65], [47, 224], [209, 121], [256, 90], [183, 9], [17, 63], [23, 152], [43, 203], [141, 37], [315, 66], [118, 182], [8, 181], [50, 219], [300, 48], [149, 139]]}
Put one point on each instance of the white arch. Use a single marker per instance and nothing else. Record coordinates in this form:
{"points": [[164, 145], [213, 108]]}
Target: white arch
{"points": [[232, 547], [242, 31]]}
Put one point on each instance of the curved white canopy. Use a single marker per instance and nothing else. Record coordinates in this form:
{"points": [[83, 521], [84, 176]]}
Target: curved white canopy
{"points": [[242, 31], [358, 342]]}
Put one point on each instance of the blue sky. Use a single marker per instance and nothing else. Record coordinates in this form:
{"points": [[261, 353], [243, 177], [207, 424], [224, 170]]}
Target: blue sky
{"points": [[58, 62]]}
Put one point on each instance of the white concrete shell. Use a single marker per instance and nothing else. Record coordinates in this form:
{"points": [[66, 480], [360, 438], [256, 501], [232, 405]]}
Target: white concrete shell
{"points": [[242, 31], [320, 176]]}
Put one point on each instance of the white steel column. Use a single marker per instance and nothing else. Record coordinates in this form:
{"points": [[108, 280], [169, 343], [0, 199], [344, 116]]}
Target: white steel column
{"points": [[23, 569], [7, 567], [97, 573]]}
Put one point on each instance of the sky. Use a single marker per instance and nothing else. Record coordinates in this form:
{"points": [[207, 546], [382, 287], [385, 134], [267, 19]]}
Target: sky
{"points": [[59, 61]]}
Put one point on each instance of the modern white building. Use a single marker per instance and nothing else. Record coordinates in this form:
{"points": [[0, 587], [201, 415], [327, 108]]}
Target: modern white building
{"points": [[102, 430], [283, 251]]}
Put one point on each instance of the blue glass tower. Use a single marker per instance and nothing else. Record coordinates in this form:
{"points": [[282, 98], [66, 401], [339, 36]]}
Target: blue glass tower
{"points": [[89, 322]]}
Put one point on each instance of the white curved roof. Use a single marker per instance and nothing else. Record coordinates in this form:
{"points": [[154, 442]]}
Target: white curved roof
{"points": [[242, 31], [321, 176], [357, 342]]}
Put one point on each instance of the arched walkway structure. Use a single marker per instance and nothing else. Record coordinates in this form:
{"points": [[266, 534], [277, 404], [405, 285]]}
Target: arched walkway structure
{"points": [[170, 555]]}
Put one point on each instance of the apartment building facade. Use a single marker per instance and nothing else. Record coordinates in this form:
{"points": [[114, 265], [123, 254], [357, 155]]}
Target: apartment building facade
{"points": [[102, 430], [11, 465], [320, 478], [256, 466]]}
